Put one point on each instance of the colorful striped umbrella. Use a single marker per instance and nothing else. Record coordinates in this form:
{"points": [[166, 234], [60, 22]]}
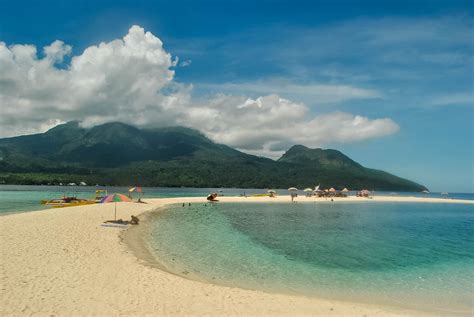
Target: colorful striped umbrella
{"points": [[114, 198]]}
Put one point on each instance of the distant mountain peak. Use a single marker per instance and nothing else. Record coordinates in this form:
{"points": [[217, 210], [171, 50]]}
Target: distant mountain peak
{"points": [[301, 154], [298, 148], [64, 126]]}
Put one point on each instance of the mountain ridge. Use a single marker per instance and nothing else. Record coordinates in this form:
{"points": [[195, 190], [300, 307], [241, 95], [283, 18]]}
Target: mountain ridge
{"points": [[119, 154]]}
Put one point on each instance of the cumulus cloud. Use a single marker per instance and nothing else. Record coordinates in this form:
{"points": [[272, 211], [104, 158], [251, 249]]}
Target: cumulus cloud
{"points": [[56, 51], [132, 80], [269, 125]]}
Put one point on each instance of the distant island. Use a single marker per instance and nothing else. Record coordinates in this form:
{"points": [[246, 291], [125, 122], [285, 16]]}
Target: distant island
{"points": [[120, 154]]}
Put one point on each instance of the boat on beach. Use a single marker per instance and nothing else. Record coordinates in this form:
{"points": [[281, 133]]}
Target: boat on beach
{"points": [[100, 194], [67, 201]]}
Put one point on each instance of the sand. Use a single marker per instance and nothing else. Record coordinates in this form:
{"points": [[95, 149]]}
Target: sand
{"points": [[62, 262]]}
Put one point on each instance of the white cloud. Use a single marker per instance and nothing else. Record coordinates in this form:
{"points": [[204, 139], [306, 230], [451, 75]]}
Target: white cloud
{"points": [[319, 93], [466, 98], [269, 125], [56, 51], [131, 80], [185, 63]]}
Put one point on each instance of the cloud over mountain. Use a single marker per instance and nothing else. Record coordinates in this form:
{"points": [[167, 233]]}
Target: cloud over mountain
{"points": [[132, 80]]}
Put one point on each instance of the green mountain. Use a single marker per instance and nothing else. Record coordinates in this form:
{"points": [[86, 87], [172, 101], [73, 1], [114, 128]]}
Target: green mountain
{"points": [[119, 154], [333, 168]]}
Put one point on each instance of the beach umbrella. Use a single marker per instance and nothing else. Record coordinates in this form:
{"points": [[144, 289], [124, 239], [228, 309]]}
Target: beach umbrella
{"points": [[332, 190], [317, 188], [345, 190], [308, 189], [292, 189], [271, 191], [444, 193], [115, 198]]}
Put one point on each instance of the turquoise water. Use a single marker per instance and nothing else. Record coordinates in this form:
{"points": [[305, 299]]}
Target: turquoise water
{"points": [[18, 198], [410, 255]]}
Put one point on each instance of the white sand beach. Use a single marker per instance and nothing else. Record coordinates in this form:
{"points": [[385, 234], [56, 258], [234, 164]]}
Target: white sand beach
{"points": [[62, 262]]}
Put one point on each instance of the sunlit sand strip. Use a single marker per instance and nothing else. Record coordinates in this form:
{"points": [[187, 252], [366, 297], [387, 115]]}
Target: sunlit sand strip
{"points": [[62, 262]]}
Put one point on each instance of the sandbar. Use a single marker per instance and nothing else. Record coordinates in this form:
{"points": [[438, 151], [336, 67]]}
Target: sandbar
{"points": [[62, 262]]}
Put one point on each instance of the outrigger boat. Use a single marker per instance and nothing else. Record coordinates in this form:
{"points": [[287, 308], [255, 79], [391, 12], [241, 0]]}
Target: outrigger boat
{"points": [[100, 194], [67, 201]]}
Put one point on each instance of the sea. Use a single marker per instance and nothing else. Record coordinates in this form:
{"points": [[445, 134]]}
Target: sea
{"points": [[407, 255], [410, 255], [24, 198]]}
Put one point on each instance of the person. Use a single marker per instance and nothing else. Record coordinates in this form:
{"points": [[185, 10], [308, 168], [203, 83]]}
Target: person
{"points": [[134, 220]]}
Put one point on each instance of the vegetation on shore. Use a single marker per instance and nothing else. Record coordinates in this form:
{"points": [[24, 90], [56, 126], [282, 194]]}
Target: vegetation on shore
{"points": [[119, 154]]}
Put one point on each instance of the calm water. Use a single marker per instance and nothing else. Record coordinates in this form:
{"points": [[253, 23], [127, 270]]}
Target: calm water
{"points": [[411, 255], [17, 198]]}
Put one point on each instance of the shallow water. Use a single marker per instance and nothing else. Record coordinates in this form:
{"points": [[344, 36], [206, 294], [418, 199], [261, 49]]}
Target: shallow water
{"points": [[404, 254], [18, 198]]}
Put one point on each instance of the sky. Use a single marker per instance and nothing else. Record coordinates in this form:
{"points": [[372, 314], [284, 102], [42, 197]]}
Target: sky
{"points": [[388, 83]]}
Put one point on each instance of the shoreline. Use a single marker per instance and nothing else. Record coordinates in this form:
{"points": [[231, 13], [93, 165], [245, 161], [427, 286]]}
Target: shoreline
{"points": [[62, 262]]}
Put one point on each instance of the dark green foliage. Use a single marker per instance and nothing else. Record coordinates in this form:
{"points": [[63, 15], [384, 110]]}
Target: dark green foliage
{"points": [[119, 154]]}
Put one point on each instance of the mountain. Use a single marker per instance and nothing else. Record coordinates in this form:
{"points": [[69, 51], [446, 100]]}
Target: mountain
{"points": [[119, 154], [333, 168]]}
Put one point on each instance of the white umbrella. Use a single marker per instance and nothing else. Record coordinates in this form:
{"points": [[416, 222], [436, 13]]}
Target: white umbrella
{"points": [[308, 189], [271, 191], [345, 190], [291, 189]]}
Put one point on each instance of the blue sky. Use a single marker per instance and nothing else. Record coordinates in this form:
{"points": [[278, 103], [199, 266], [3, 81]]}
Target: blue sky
{"points": [[408, 61]]}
